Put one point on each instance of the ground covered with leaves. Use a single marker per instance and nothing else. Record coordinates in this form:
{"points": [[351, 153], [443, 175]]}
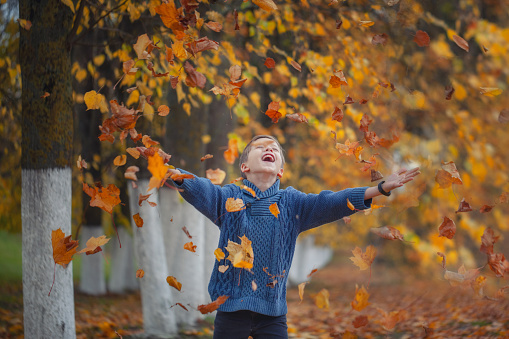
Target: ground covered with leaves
{"points": [[402, 304]]}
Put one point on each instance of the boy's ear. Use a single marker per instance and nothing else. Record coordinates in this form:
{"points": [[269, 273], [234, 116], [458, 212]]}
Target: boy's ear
{"points": [[244, 168]]}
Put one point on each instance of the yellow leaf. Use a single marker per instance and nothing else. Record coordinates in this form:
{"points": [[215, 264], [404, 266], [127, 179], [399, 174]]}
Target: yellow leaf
{"points": [[490, 91], [187, 108], [234, 205], [99, 60], [267, 5], [350, 205], [241, 255], [120, 160], [361, 299], [93, 100], [363, 260], [301, 290], [322, 299], [141, 44], [219, 254], [274, 209], [366, 23], [172, 281], [250, 190], [70, 4]]}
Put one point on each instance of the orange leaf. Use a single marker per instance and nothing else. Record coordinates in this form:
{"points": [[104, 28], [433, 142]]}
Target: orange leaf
{"points": [[366, 23], [337, 114], [274, 210], [187, 232], [232, 152], [361, 299], [301, 290], [379, 39], [94, 245], [169, 16], [267, 5], [104, 198], [216, 176], [204, 309], [45, 95], [447, 228], [138, 220], [363, 260], [130, 173], [297, 117], [448, 175], [163, 110], [350, 205], [142, 198], [26, 24], [249, 189], [173, 282], [190, 247], [140, 273], [133, 152], [241, 255], [206, 156], [234, 205], [390, 319], [219, 254], [388, 232], [120, 160], [141, 45], [215, 26], [158, 169], [63, 247], [272, 112]]}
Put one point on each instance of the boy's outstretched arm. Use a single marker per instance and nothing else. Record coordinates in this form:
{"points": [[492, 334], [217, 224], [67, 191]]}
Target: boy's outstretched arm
{"points": [[393, 181]]}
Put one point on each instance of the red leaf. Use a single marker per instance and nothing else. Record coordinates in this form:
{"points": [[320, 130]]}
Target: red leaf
{"points": [[464, 206], [270, 63], [421, 38]]}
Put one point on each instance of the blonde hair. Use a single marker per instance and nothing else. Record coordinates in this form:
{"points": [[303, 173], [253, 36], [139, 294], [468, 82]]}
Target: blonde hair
{"points": [[245, 153]]}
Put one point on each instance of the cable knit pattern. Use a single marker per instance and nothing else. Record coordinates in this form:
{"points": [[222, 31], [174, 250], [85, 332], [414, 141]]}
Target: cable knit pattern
{"points": [[273, 239]]}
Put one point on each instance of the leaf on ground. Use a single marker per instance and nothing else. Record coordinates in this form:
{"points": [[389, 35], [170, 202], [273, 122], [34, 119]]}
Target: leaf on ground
{"points": [[363, 260], [447, 228], [389, 320], [360, 300], [173, 282], [204, 309], [360, 321], [94, 244], [63, 247]]}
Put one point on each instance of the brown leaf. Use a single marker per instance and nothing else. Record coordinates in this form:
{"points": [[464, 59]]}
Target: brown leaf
{"points": [[215, 26], [272, 111], [498, 264], [187, 232], [375, 175], [488, 239], [194, 77], [63, 247], [443, 259], [448, 175], [236, 18], [201, 45], [449, 91], [270, 63], [486, 208], [379, 39], [460, 42], [464, 206], [338, 79], [296, 65], [204, 309], [339, 22], [348, 100], [179, 304], [173, 282], [363, 260], [360, 321], [138, 220], [503, 117], [94, 245], [130, 173], [421, 38], [174, 81], [447, 228], [140, 273], [206, 156], [337, 114], [297, 117], [388, 232]]}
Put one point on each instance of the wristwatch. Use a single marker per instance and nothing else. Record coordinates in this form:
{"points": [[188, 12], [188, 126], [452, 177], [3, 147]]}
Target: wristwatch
{"points": [[381, 190]]}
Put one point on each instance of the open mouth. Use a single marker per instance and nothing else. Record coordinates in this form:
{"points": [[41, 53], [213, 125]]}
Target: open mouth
{"points": [[269, 157]]}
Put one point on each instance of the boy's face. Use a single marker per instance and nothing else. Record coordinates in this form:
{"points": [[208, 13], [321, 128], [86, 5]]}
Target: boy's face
{"points": [[264, 157]]}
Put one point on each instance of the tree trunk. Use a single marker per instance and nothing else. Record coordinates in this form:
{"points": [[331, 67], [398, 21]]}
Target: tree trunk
{"points": [[150, 256], [123, 271], [47, 135], [307, 257], [92, 278]]}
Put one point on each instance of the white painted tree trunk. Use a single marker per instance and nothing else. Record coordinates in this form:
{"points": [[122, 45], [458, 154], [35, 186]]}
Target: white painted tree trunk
{"points": [[187, 267], [158, 319], [211, 243], [123, 271], [307, 257], [46, 206], [92, 278]]}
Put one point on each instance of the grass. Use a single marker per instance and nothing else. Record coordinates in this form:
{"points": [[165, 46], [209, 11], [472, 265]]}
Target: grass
{"points": [[10, 258]]}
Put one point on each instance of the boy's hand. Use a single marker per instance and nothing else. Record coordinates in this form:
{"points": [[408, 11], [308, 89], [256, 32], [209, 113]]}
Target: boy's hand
{"points": [[400, 178], [176, 171]]}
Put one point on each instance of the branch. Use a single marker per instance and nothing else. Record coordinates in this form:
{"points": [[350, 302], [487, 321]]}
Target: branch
{"points": [[76, 24], [98, 20]]}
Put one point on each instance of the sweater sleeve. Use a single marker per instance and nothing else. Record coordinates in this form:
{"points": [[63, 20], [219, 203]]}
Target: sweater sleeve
{"points": [[313, 210], [203, 195]]}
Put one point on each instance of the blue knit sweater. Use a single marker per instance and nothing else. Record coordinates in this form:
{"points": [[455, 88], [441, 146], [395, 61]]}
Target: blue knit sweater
{"points": [[273, 239]]}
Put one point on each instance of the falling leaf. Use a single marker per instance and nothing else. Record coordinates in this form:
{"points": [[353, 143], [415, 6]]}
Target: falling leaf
{"points": [[488, 239], [390, 319], [486, 208], [447, 228], [361, 299], [297, 117], [216, 176], [490, 91], [184, 229], [503, 198], [270, 63], [133, 152], [366, 23], [215, 26], [338, 79], [94, 245], [194, 78], [169, 16], [179, 304], [443, 259], [449, 91], [234, 205], [498, 264], [204, 309], [313, 271], [360, 321], [296, 65], [190, 247], [142, 198], [163, 110], [478, 284], [219, 254], [25, 24], [375, 175], [301, 290], [45, 95], [363, 260], [379, 39], [464, 206], [388, 232], [232, 152], [142, 45], [267, 5], [460, 42], [174, 81], [322, 299], [104, 198], [448, 175], [158, 169], [128, 68], [339, 23], [206, 156], [421, 38], [348, 100], [130, 173], [138, 220], [63, 247], [462, 277], [93, 100], [254, 287], [503, 117], [173, 282], [120, 160], [337, 114], [140, 273], [249, 189], [274, 210], [81, 163], [272, 111]]}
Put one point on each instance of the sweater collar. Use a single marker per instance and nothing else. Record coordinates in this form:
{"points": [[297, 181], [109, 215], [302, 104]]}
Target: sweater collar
{"points": [[259, 194]]}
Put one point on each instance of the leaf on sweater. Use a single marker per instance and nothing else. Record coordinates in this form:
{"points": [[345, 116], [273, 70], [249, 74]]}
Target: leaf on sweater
{"points": [[190, 247], [274, 210], [173, 282], [140, 273], [350, 205], [447, 228], [223, 268], [94, 245], [249, 189], [235, 205], [138, 220], [363, 260], [204, 309], [361, 299], [241, 255], [322, 299], [219, 254]]}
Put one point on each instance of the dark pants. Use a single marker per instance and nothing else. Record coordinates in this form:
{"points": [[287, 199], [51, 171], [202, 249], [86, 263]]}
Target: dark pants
{"points": [[242, 324]]}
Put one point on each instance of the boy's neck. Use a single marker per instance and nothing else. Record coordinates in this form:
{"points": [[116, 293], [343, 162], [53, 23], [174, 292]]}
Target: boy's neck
{"points": [[261, 180]]}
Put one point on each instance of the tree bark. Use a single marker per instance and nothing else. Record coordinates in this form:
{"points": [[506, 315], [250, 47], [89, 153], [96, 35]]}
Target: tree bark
{"points": [[47, 135], [123, 271], [307, 257]]}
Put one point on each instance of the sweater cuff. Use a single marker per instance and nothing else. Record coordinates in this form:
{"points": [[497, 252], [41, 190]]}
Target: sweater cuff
{"points": [[357, 198], [183, 184]]}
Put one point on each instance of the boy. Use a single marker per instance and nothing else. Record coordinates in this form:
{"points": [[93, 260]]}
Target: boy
{"points": [[261, 312]]}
